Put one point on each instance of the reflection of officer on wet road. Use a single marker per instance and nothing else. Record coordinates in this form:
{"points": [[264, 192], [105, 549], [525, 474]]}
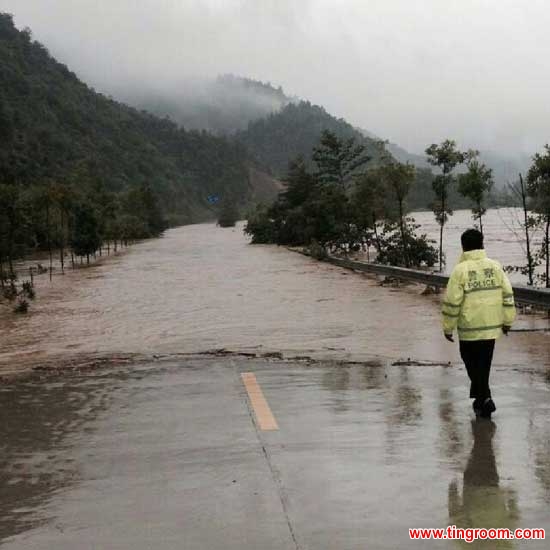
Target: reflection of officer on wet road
{"points": [[484, 503], [479, 303]]}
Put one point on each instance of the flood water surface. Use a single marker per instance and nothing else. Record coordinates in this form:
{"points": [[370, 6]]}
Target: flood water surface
{"points": [[202, 287]]}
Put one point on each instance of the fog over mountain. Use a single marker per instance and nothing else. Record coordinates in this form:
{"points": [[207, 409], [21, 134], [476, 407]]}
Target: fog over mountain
{"points": [[413, 72], [505, 166], [222, 105]]}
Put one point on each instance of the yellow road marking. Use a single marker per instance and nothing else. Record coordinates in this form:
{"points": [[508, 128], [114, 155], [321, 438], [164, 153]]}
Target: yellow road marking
{"points": [[263, 413]]}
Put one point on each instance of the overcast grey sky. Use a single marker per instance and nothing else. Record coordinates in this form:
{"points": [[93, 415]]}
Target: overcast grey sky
{"points": [[412, 71]]}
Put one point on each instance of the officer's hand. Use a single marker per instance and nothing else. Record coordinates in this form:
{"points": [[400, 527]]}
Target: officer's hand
{"points": [[449, 337], [506, 330]]}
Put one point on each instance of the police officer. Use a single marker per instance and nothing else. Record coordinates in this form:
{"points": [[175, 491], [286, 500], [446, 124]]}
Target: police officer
{"points": [[479, 302]]}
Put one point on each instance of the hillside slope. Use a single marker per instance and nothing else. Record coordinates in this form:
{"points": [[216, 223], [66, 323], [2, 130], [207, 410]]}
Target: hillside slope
{"points": [[294, 130], [54, 127]]}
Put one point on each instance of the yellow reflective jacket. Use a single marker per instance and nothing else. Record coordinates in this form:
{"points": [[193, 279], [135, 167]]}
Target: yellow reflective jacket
{"points": [[479, 299]]}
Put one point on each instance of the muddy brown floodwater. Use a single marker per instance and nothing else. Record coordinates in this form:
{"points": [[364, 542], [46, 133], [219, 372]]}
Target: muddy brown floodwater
{"points": [[201, 287], [166, 452]]}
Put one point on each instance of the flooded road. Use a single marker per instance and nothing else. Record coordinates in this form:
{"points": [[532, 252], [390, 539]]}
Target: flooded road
{"points": [[202, 287], [168, 453]]}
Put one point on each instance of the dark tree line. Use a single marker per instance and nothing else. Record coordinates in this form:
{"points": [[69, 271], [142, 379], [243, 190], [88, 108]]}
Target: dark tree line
{"points": [[61, 217], [476, 183], [537, 191], [341, 205]]}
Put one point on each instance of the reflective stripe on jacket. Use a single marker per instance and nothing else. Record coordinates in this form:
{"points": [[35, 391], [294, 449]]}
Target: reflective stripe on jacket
{"points": [[479, 300]]}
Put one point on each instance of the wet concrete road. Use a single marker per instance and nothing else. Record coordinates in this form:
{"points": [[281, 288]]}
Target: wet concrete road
{"points": [[169, 455]]}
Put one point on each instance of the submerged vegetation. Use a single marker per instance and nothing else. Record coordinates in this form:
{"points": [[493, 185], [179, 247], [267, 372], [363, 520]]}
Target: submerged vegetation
{"points": [[538, 188], [343, 204], [229, 215], [65, 148]]}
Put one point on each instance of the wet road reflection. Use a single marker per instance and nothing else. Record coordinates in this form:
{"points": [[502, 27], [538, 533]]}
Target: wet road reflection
{"points": [[39, 425], [484, 502], [166, 455], [451, 428]]}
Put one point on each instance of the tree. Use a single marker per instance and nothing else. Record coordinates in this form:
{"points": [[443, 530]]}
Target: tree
{"points": [[229, 214], [475, 184], [62, 197], [445, 156], [538, 188], [104, 203], [288, 212], [13, 227], [45, 198], [86, 238], [130, 227], [384, 193], [318, 211], [288, 220], [153, 212], [260, 226], [142, 202], [519, 194], [327, 217], [300, 184], [337, 160], [419, 249], [368, 206], [399, 178]]}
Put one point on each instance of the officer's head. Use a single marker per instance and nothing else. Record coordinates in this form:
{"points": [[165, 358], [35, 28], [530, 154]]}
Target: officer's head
{"points": [[471, 239]]}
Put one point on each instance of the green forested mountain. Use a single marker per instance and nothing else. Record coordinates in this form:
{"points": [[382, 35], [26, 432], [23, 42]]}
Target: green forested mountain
{"points": [[55, 128], [294, 130]]}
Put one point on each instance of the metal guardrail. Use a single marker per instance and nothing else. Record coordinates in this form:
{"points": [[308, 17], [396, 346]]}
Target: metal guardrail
{"points": [[401, 273], [532, 296], [537, 297]]}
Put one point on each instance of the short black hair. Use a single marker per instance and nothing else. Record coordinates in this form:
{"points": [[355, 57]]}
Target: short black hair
{"points": [[471, 239]]}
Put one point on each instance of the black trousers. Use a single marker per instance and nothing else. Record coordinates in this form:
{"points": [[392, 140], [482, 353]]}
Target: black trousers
{"points": [[477, 356]]}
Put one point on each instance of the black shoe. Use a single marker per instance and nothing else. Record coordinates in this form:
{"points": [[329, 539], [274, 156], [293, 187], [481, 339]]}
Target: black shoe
{"points": [[488, 408]]}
